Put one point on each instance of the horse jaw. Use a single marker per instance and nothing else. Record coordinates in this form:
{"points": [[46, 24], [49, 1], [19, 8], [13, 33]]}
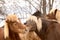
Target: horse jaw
{"points": [[6, 30]]}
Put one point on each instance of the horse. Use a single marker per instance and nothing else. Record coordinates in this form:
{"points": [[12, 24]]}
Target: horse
{"points": [[13, 27], [38, 14], [29, 36], [45, 29], [1, 34], [58, 16], [54, 14]]}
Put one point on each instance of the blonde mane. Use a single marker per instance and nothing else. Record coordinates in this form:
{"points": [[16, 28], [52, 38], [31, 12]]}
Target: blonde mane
{"points": [[13, 27], [9, 18], [6, 30], [38, 22]]}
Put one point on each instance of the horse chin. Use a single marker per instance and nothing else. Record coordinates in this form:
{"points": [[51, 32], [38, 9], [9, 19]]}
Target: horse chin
{"points": [[20, 31]]}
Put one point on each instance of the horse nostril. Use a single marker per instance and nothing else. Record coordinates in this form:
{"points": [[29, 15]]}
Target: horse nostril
{"points": [[25, 29]]}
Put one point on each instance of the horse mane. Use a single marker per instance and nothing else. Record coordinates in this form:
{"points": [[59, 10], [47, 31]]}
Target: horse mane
{"points": [[35, 21], [8, 34], [37, 14], [33, 27]]}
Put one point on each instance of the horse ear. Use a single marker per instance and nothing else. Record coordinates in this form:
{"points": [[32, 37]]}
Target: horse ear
{"points": [[52, 14], [39, 24], [6, 30], [53, 11], [58, 16]]}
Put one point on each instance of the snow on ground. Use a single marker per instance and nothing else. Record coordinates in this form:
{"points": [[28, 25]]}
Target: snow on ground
{"points": [[22, 8], [56, 4]]}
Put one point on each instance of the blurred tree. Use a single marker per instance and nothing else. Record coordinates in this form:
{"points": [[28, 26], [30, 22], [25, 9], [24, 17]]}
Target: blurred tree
{"points": [[50, 6], [40, 5], [44, 7], [52, 2]]}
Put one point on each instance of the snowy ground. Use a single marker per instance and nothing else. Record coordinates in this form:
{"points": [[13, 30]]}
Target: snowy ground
{"points": [[22, 8]]}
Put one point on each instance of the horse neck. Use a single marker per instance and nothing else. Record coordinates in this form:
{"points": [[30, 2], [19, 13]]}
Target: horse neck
{"points": [[43, 32], [13, 35]]}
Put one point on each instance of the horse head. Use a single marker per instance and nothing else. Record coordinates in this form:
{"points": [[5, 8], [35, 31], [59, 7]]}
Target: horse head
{"points": [[12, 23]]}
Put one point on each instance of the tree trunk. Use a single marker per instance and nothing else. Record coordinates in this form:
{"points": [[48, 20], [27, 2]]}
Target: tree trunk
{"points": [[40, 5], [50, 5], [52, 2], [44, 7]]}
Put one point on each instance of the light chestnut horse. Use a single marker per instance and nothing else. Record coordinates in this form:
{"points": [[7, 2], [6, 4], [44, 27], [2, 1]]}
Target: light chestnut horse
{"points": [[29, 36], [13, 27], [54, 14], [58, 16], [1, 34]]}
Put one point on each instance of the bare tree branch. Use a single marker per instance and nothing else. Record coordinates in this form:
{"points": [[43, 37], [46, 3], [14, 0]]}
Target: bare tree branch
{"points": [[32, 5]]}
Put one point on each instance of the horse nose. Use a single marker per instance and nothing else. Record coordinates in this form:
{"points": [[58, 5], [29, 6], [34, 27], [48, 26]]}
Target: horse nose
{"points": [[27, 30]]}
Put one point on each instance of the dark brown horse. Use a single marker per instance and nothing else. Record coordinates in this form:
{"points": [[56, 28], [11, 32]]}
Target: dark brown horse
{"points": [[45, 29], [13, 27], [38, 14]]}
